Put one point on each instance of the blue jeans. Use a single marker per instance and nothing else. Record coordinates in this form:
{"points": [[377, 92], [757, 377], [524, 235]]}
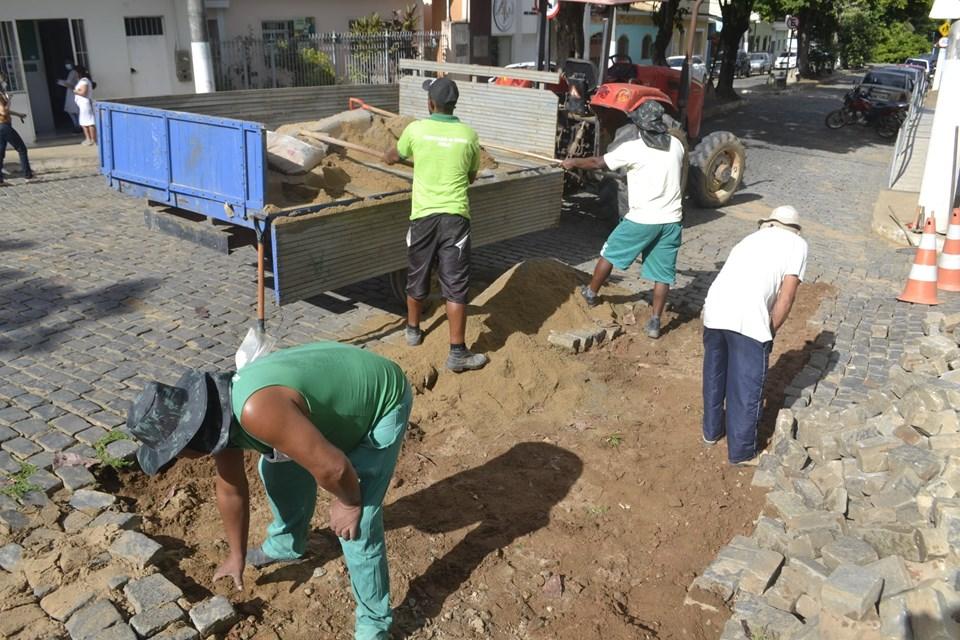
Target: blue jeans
{"points": [[292, 494], [9, 135], [734, 370]]}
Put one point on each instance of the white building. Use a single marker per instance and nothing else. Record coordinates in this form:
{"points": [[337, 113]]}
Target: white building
{"points": [[138, 47]]}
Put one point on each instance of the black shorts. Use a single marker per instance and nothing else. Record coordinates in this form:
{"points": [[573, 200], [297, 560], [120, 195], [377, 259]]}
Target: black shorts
{"points": [[442, 239]]}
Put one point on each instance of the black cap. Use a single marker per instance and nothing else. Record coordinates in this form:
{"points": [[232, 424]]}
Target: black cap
{"points": [[443, 91]]}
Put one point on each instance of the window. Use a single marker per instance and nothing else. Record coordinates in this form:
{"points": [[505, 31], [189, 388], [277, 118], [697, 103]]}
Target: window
{"points": [[80, 55], [144, 26], [623, 46], [9, 57], [274, 30], [646, 47]]}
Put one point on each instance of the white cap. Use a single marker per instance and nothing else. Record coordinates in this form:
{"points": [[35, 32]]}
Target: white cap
{"points": [[784, 215]]}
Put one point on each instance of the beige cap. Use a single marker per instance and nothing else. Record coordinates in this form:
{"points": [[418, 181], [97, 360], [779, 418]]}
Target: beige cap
{"points": [[784, 215]]}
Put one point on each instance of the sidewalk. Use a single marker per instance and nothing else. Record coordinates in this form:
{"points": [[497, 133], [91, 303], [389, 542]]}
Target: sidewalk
{"points": [[56, 155]]}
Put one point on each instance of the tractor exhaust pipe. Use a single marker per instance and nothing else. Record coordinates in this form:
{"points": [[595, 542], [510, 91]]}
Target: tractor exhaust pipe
{"points": [[687, 61]]}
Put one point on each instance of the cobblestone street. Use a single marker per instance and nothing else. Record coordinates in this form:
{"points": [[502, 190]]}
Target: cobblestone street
{"points": [[93, 305]]}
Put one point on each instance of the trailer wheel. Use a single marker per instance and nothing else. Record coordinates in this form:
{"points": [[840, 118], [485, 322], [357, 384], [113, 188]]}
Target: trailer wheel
{"points": [[716, 169]]}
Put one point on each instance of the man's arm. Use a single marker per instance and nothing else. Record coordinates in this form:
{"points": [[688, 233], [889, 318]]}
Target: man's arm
{"points": [[277, 416], [391, 156], [233, 502], [781, 308], [596, 162]]}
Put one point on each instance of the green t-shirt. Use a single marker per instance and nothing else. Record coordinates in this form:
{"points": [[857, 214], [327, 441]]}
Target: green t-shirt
{"points": [[445, 152], [347, 390]]}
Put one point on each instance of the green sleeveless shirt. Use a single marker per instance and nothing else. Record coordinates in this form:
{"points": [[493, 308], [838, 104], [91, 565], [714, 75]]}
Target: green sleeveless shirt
{"points": [[347, 390]]}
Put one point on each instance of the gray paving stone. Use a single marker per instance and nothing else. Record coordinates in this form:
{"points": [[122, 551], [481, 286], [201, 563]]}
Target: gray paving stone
{"points": [[119, 520], [151, 592], [75, 477], [92, 620], [91, 436], [11, 520], [54, 440], [10, 556], [213, 616], [70, 424], [851, 591], [20, 447], [922, 462], [43, 460], [90, 501], [117, 632], [6, 433], [151, 621], [177, 632], [135, 547], [76, 521], [123, 449], [30, 428], [893, 539], [847, 550], [762, 618], [7, 463]]}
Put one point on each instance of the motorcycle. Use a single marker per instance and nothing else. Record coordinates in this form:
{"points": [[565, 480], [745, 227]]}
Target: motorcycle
{"points": [[859, 108]]}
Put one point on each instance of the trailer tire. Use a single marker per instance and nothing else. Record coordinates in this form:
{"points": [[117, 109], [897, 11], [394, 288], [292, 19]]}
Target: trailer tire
{"points": [[716, 169]]}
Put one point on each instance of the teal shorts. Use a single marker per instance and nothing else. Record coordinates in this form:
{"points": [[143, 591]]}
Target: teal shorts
{"points": [[658, 245]]}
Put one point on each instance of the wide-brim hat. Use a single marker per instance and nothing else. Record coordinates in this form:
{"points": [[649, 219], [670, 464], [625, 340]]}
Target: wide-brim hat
{"points": [[784, 215], [195, 412]]}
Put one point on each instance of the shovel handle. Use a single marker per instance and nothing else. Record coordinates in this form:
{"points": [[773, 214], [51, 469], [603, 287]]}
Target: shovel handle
{"points": [[261, 316], [357, 103], [341, 143]]}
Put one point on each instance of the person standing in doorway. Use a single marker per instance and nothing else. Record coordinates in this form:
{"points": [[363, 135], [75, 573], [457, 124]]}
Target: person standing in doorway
{"points": [[9, 135], [652, 228], [446, 157], [69, 103], [745, 307], [83, 96]]}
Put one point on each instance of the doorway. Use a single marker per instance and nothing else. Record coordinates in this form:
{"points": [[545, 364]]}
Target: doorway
{"points": [[45, 46]]}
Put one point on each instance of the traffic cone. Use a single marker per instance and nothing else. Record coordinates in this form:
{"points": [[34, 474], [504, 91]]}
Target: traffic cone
{"points": [[948, 270], [922, 283]]}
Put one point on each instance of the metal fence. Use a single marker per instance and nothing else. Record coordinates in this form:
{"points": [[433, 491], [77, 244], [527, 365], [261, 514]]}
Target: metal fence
{"points": [[903, 151], [320, 59]]}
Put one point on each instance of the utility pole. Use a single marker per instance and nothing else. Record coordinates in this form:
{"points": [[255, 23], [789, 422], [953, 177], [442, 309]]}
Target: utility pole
{"points": [[200, 48], [541, 55]]}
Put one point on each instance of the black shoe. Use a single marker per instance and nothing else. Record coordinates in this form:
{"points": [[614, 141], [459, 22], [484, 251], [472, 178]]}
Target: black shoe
{"points": [[28, 175]]}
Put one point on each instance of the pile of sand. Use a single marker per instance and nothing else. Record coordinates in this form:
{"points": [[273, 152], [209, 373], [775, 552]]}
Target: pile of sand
{"points": [[348, 174], [509, 321]]}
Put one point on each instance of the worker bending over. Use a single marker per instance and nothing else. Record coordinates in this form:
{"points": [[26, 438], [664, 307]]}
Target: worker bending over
{"points": [[322, 414]]}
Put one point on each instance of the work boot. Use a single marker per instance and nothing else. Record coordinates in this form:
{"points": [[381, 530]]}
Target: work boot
{"points": [[591, 298], [464, 360], [709, 443], [414, 336], [652, 328]]}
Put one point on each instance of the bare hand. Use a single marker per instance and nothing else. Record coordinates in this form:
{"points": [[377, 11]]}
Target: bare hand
{"points": [[232, 567], [568, 164], [345, 520]]}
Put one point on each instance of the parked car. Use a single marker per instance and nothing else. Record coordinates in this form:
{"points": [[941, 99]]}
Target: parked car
{"points": [[697, 67], [889, 83], [786, 60], [761, 62], [926, 63]]}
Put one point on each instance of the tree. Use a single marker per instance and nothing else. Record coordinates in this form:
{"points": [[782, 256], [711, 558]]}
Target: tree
{"points": [[857, 37], [736, 21], [668, 18], [570, 30], [898, 42]]}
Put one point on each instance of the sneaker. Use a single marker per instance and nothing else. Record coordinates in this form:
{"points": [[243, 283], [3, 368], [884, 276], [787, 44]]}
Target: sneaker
{"points": [[752, 462], [591, 298], [710, 443], [414, 336], [85, 143], [28, 175], [652, 328], [459, 361], [256, 557]]}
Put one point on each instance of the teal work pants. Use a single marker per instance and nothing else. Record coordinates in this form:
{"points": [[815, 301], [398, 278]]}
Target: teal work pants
{"points": [[292, 494]]}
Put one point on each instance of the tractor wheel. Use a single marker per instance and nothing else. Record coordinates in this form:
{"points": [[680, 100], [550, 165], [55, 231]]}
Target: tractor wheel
{"points": [[716, 169]]}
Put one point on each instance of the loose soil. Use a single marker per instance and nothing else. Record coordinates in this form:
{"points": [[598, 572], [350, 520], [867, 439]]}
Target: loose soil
{"points": [[346, 174], [548, 496]]}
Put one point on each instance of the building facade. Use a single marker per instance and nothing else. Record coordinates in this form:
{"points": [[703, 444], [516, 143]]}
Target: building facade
{"points": [[138, 47]]}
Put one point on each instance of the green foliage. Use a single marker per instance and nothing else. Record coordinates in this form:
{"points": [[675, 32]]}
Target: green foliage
{"points": [[16, 485], [899, 41], [104, 457], [614, 440], [857, 37]]}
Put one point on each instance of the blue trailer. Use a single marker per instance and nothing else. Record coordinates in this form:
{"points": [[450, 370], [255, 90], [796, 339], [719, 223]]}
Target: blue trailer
{"points": [[216, 167]]}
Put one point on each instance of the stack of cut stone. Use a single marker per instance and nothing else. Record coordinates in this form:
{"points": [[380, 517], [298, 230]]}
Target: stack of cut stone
{"points": [[861, 532]]}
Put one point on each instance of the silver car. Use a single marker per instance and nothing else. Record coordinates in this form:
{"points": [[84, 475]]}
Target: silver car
{"points": [[760, 62]]}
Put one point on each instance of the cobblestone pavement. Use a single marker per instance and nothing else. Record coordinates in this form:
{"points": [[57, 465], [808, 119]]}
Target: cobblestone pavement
{"points": [[92, 305]]}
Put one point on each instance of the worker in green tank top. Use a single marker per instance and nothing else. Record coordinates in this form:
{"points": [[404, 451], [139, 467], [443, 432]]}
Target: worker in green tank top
{"points": [[324, 414]]}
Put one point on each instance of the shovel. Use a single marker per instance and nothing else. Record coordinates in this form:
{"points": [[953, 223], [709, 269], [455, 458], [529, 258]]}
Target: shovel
{"points": [[257, 342]]}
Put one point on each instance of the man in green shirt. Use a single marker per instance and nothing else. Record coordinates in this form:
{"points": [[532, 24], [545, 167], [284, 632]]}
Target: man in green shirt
{"points": [[446, 156], [324, 414]]}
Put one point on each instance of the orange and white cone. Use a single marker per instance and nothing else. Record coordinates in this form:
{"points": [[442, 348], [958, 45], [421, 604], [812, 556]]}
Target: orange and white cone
{"points": [[922, 283], [948, 271]]}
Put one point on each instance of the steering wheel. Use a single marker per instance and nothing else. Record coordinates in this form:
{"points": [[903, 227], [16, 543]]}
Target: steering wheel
{"points": [[620, 68]]}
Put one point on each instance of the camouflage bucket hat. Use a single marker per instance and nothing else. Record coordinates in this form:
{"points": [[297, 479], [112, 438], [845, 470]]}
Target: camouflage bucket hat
{"points": [[649, 117], [194, 413]]}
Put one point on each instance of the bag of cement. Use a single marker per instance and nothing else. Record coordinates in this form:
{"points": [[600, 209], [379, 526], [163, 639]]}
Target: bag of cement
{"points": [[358, 120], [288, 155]]}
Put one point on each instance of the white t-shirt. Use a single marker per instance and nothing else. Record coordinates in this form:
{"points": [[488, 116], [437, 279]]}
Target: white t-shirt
{"points": [[741, 297], [654, 180]]}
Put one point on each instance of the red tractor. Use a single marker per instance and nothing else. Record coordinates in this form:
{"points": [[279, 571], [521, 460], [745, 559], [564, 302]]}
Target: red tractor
{"points": [[594, 115]]}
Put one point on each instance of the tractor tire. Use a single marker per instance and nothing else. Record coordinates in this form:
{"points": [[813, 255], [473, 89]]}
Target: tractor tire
{"points": [[716, 169]]}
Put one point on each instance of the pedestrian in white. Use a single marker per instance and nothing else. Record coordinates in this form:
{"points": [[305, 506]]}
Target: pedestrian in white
{"points": [[745, 307], [69, 102], [83, 95]]}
